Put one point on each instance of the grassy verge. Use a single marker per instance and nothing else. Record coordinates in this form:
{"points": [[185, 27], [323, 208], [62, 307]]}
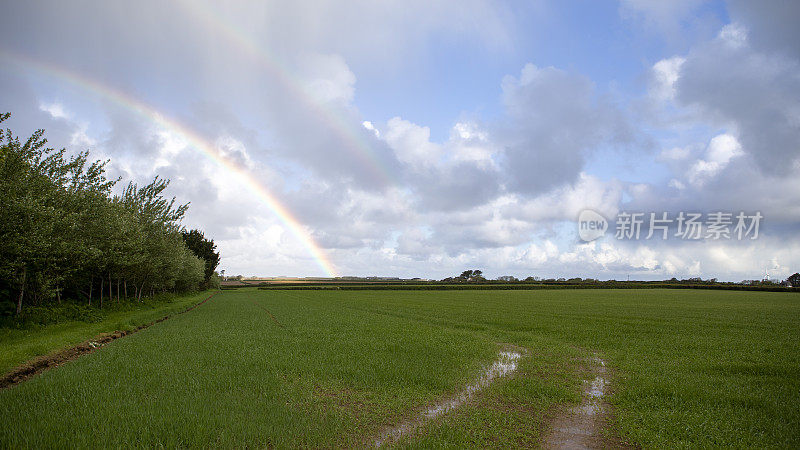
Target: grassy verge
{"points": [[23, 344]]}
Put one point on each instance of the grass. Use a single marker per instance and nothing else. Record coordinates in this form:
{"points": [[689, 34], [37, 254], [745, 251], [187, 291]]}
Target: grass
{"points": [[692, 368], [23, 344]]}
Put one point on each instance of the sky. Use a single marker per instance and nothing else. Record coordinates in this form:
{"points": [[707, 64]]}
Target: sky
{"points": [[420, 139]]}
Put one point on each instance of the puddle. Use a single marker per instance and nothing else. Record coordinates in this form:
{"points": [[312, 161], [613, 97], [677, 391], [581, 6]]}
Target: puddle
{"points": [[598, 388], [579, 427], [505, 364]]}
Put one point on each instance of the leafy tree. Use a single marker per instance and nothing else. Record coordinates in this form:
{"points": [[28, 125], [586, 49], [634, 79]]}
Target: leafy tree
{"points": [[507, 278], [204, 249], [471, 275], [30, 177], [63, 233], [794, 280]]}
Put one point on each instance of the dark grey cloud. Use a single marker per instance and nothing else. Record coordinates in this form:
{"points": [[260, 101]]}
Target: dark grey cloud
{"points": [[554, 119], [455, 187], [731, 83], [130, 137], [772, 24]]}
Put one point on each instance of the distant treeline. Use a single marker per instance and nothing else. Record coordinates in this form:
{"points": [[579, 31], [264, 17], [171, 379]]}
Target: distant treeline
{"points": [[63, 235], [496, 285], [474, 280]]}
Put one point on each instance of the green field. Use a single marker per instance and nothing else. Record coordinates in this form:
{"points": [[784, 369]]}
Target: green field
{"points": [[333, 368]]}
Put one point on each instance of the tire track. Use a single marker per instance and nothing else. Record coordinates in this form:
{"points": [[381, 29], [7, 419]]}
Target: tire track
{"points": [[503, 366], [581, 426], [264, 308]]}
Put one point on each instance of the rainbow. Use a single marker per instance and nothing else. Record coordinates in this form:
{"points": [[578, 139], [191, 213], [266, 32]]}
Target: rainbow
{"points": [[193, 138], [355, 138]]}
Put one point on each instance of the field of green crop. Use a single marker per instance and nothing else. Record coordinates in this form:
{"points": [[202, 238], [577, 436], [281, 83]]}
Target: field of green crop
{"points": [[335, 368]]}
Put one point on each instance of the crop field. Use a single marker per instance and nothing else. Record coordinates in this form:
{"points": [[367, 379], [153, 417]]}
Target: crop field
{"points": [[328, 368]]}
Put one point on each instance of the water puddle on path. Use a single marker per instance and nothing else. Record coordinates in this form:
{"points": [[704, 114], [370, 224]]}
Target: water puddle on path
{"points": [[580, 427], [504, 365]]}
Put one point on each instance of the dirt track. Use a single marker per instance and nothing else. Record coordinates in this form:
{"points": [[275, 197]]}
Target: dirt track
{"points": [[582, 426], [503, 366]]}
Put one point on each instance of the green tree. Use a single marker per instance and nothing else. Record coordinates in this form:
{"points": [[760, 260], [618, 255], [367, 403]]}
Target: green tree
{"points": [[471, 275], [62, 232], [507, 278], [204, 249]]}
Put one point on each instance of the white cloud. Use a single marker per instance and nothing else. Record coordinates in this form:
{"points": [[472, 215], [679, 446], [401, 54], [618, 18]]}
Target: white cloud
{"points": [[665, 74], [327, 78], [566, 203], [79, 136], [470, 143], [234, 150], [733, 34], [457, 174], [721, 150], [675, 154], [56, 110], [411, 143], [368, 125], [677, 184]]}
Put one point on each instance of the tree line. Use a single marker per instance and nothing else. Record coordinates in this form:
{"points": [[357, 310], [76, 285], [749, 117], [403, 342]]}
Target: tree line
{"points": [[64, 234], [477, 276]]}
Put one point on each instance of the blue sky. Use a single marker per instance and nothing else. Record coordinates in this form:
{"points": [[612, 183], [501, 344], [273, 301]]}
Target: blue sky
{"points": [[424, 138]]}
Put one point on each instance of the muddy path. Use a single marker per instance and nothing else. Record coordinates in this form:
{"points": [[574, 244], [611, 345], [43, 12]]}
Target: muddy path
{"points": [[504, 365], [46, 362], [582, 426]]}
